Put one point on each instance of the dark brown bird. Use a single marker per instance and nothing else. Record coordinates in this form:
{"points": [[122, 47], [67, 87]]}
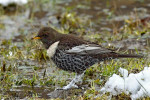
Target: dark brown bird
{"points": [[74, 54]]}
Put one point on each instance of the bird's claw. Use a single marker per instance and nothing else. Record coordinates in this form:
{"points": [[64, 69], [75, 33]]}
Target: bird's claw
{"points": [[59, 89], [67, 87], [70, 86]]}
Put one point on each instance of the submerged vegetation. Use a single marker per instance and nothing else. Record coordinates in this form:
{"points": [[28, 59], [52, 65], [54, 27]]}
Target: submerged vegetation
{"points": [[27, 72]]}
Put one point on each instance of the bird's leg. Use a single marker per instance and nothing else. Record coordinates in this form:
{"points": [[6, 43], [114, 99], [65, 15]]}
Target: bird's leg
{"points": [[72, 83]]}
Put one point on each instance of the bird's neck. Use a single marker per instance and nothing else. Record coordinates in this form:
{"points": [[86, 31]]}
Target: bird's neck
{"points": [[48, 43]]}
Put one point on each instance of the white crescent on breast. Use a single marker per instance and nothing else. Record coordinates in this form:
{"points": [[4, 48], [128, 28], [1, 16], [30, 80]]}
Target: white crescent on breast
{"points": [[52, 49]]}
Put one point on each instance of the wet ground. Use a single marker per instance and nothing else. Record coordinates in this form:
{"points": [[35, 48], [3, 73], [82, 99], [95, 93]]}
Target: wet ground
{"points": [[27, 72]]}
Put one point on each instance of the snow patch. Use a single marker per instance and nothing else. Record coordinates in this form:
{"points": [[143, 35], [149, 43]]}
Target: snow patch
{"points": [[138, 85], [123, 72], [7, 2]]}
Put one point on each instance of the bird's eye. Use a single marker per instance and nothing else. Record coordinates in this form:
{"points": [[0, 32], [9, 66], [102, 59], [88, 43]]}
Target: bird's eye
{"points": [[45, 35]]}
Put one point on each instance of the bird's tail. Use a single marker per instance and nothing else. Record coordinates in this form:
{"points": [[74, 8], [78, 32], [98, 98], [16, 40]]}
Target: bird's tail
{"points": [[129, 56], [116, 56]]}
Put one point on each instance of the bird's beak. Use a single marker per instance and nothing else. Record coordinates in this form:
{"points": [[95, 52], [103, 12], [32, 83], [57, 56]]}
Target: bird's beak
{"points": [[36, 38]]}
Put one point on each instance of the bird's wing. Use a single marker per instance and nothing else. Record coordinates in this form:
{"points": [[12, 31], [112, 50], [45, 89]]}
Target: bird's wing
{"points": [[96, 51], [93, 50], [88, 49]]}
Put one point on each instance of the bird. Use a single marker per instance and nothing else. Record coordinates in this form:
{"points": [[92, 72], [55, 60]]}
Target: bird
{"points": [[74, 54]]}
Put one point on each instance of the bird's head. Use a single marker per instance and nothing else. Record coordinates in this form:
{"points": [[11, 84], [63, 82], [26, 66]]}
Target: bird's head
{"points": [[47, 35]]}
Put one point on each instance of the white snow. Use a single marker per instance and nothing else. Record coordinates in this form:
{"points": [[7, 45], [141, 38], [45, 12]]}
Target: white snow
{"points": [[123, 72], [138, 85], [7, 2]]}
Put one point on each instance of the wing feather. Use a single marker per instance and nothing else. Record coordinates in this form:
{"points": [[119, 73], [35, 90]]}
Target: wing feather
{"points": [[88, 49]]}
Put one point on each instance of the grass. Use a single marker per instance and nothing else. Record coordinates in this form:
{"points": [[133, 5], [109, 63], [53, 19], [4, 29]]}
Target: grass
{"points": [[24, 62]]}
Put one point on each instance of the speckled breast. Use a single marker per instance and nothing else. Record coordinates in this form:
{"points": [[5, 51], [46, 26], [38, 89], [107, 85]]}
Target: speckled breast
{"points": [[72, 62]]}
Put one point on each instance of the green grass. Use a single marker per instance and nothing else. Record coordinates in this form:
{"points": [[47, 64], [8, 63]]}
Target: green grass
{"points": [[25, 63]]}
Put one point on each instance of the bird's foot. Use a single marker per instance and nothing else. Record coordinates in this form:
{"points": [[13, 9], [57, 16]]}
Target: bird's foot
{"points": [[72, 83], [80, 81], [70, 86], [67, 87], [58, 89]]}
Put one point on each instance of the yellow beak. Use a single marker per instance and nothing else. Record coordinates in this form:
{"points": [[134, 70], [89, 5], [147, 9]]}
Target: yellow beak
{"points": [[36, 37]]}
